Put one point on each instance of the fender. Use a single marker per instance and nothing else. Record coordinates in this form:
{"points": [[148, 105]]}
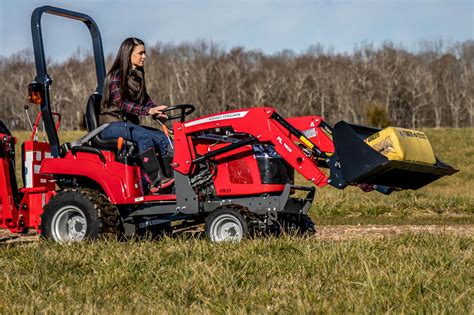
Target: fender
{"points": [[117, 180]]}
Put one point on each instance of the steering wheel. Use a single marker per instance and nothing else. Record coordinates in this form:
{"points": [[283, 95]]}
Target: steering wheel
{"points": [[185, 110]]}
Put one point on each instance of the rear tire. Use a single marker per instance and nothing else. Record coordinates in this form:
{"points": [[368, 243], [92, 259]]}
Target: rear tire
{"points": [[75, 215], [226, 225]]}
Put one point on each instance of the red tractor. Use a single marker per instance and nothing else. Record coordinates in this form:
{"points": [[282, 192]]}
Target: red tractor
{"points": [[231, 173]]}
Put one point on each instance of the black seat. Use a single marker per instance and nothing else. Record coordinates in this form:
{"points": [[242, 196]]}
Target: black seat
{"points": [[92, 123], [92, 111]]}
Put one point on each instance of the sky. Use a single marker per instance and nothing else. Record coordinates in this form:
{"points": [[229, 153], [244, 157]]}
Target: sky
{"points": [[269, 26]]}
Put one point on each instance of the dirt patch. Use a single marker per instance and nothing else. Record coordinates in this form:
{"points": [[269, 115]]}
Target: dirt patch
{"points": [[6, 237], [342, 232]]}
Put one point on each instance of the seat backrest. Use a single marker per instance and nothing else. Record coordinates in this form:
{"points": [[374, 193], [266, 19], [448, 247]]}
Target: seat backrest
{"points": [[92, 111]]}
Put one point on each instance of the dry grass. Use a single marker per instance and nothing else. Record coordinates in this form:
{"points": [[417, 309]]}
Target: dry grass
{"points": [[411, 273], [403, 272]]}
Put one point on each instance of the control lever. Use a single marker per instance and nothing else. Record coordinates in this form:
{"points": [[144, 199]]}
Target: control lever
{"points": [[166, 131]]}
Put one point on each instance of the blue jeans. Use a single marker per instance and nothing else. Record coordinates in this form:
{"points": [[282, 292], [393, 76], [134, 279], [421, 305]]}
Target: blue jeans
{"points": [[145, 137]]}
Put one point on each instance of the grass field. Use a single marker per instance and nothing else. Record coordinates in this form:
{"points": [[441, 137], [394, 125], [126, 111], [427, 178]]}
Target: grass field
{"points": [[407, 273]]}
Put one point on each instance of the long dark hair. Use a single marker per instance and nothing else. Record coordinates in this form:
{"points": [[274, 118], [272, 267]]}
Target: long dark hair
{"points": [[122, 65]]}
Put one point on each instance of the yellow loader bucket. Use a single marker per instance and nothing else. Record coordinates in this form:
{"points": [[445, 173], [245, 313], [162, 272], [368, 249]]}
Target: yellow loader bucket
{"points": [[395, 158]]}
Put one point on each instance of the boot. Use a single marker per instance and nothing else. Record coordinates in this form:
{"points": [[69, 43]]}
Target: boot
{"points": [[154, 171]]}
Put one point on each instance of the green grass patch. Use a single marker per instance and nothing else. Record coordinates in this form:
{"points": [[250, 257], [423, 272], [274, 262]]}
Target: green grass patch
{"points": [[419, 273]]}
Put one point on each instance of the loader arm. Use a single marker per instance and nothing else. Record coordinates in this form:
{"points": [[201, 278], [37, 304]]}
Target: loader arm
{"points": [[307, 144], [261, 124]]}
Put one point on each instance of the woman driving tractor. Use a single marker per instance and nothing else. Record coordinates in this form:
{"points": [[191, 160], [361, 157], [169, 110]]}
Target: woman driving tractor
{"points": [[125, 99]]}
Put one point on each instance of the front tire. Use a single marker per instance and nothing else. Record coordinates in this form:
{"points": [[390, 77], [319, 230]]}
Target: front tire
{"points": [[75, 215], [226, 225]]}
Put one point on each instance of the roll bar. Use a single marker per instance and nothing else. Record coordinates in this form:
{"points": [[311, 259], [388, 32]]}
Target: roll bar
{"points": [[42, 75]]}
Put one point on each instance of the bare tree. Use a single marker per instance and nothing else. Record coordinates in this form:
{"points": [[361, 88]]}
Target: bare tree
{"points": [[431, 88]]}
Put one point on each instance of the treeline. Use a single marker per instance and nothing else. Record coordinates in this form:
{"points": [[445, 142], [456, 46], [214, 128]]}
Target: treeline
{"points": [[379, 86]]}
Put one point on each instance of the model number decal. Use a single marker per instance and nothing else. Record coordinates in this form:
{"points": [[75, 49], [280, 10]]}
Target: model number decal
{"points": [[280, 140]]}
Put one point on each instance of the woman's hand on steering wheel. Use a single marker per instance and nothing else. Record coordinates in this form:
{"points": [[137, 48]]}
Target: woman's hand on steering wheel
{"points": [[158, 112], [185, 110]]}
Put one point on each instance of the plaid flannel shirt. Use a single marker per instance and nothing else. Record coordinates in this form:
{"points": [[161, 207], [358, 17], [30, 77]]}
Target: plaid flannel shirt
{"points": [[126, 105]]}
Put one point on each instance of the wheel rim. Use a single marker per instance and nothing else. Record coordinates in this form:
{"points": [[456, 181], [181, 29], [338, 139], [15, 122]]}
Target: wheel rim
{"points": [[69, 224], [226, 228]]}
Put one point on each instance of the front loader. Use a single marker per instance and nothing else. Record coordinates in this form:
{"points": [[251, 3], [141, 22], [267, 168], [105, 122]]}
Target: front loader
{"points": [[234, 171]]}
